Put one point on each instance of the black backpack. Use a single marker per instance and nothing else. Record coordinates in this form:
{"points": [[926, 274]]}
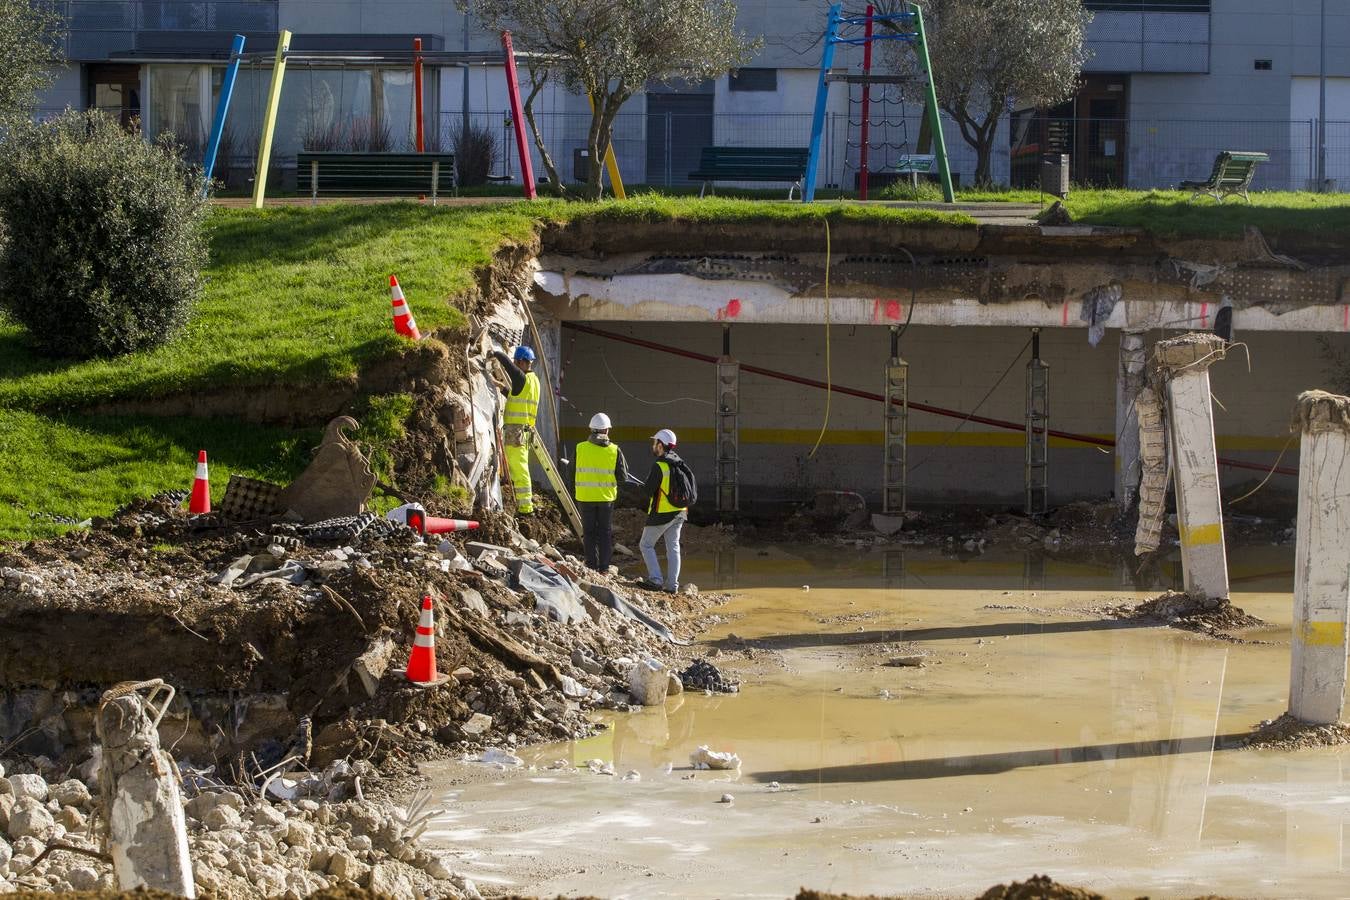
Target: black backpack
{"points": [[683, 488]]}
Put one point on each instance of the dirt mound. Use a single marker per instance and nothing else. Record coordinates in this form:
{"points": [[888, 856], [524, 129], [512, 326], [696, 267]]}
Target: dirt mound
{"points": [[1289, 733], [1177, 609], [321, 640]]}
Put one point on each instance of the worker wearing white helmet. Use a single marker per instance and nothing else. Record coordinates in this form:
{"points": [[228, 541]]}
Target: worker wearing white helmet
{"points": [[671, 490], [600, 469]]}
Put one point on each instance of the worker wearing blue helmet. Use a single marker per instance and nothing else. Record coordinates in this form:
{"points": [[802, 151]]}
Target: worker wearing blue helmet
{"points": [[522, 407]]}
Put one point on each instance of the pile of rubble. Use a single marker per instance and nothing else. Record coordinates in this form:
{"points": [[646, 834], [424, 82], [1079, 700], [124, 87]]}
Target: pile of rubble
{"points": [[240, 843], [1177, 609]]}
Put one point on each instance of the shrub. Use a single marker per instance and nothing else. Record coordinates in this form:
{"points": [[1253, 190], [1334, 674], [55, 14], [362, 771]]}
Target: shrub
{"points": [[475, 153], [105, 236]]}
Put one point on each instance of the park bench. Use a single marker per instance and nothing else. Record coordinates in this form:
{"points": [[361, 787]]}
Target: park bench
{"points": [[914, 165], [751, 164], [1232, 174], [413, 174]]}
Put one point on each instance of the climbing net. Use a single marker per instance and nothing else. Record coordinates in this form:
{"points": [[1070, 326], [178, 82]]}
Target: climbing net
{"points": [[879, 125]]}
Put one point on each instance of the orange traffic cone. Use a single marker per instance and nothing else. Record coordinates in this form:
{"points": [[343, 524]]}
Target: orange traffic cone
{"points": [[201, 488], [404, 323], [441, 526], [422, 662]]}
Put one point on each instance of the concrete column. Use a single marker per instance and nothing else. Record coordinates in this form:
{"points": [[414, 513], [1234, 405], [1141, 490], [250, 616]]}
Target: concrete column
{"points": [[1129, 382], [1321, 559], [1184, 362], [147, 835]]}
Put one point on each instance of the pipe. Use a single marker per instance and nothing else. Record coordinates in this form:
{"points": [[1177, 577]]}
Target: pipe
{"points": [[868, 395]]}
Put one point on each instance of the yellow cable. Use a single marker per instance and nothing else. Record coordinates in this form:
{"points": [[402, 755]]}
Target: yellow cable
{"points": [[829, 390]]}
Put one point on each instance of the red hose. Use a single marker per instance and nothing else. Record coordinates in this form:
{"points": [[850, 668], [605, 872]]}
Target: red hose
{"points": [[878, 398]]}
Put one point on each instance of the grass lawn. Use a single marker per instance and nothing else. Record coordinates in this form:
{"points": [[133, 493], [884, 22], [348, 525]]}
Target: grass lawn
{"points": [[299, 295], [84, 466], [1174, 214]]}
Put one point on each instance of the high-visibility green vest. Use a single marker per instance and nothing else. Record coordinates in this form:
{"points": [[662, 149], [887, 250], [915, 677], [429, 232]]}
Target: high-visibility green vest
{"points": [[663, 504], [595, 472], [521, 408]]}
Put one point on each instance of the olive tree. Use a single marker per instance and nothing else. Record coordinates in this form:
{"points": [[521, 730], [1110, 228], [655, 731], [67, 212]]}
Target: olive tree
{"points": [[611, 50], [989, 55], [28, 41]]}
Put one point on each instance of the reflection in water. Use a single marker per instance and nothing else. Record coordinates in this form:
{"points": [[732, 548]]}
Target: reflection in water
{"points": [[1034, 735]]}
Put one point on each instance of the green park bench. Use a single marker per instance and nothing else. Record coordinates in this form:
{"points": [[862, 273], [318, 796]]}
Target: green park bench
{"points": [[1232, 175], [751, 164], [361, 174]]}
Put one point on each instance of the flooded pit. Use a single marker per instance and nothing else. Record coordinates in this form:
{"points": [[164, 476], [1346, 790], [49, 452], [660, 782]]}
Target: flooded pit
{"points": [[1038, 736]]}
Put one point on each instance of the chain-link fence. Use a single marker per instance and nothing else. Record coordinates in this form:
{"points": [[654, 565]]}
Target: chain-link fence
{"points": [[662, 149]]}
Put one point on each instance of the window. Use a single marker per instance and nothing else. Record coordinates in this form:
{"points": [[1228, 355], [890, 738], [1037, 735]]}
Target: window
{"points": [[754, 80], [1263, 65]]}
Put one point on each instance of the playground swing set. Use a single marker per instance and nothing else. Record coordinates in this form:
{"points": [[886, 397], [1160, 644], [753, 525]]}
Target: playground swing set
{"points": [[841, 28]]}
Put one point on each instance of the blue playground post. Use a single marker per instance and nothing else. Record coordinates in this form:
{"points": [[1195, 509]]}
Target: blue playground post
{"points": [[822, 93], [222, 108]]}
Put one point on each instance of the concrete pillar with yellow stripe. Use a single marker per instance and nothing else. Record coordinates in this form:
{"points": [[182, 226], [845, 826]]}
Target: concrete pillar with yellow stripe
{"points": [[1321, 559], [1184, 363]]}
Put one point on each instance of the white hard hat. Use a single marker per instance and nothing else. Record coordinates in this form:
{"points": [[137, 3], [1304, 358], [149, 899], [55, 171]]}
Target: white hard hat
{"points": [[599, 422], [665, 436]]}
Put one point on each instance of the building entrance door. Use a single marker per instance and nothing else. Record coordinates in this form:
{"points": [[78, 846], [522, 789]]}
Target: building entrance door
{"points": [[116, 90], [679, 126]]}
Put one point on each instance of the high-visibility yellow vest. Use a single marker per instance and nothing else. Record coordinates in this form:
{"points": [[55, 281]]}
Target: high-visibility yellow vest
{"points": [[523, 407], [595, 472], [663, 504]]}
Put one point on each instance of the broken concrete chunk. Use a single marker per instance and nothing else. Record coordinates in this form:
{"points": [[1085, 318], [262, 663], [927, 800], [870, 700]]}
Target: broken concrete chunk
{"points": [[905, 662], [71, 792], [478, 723], [887, 525], [703, 758], [371, 665], [30, 819], [495, 756], [648, 682], [473, 600], [33, 786]]}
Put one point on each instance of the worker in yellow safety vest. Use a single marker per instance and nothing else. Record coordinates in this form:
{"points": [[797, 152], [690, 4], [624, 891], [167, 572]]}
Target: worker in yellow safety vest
{"points": [[599, 470], [522, 406]]}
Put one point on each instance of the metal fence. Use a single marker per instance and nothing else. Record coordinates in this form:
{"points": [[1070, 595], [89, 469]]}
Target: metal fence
{"points": [[663, 149]]}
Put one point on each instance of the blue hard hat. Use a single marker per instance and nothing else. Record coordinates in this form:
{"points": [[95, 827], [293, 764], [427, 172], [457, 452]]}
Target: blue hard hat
{"points": [[523, 352]]}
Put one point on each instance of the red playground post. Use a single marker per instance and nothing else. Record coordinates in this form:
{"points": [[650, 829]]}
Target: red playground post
{"points": [[518, 117]]}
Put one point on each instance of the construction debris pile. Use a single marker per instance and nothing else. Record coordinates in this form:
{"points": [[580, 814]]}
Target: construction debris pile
{"points": [[1191, 613], [1288, 733], [241, 843]]}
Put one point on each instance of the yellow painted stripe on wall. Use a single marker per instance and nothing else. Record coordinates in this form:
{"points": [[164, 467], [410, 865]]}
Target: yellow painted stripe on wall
{"points": [[1201, 535], [872, 438], [1322, 634]]}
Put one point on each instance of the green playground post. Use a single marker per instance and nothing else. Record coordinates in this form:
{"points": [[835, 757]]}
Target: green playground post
{"points": [[934, 121]]}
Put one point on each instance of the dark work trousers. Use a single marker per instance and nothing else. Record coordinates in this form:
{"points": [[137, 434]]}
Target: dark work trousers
{"points": [[595, 525]]}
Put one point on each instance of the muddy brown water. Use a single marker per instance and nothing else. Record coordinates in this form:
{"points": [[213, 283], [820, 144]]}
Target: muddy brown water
{"points": [[1037, 737]]}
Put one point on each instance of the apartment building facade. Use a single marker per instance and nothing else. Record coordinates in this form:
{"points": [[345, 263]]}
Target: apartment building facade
{"points": [[1168, 84]]}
